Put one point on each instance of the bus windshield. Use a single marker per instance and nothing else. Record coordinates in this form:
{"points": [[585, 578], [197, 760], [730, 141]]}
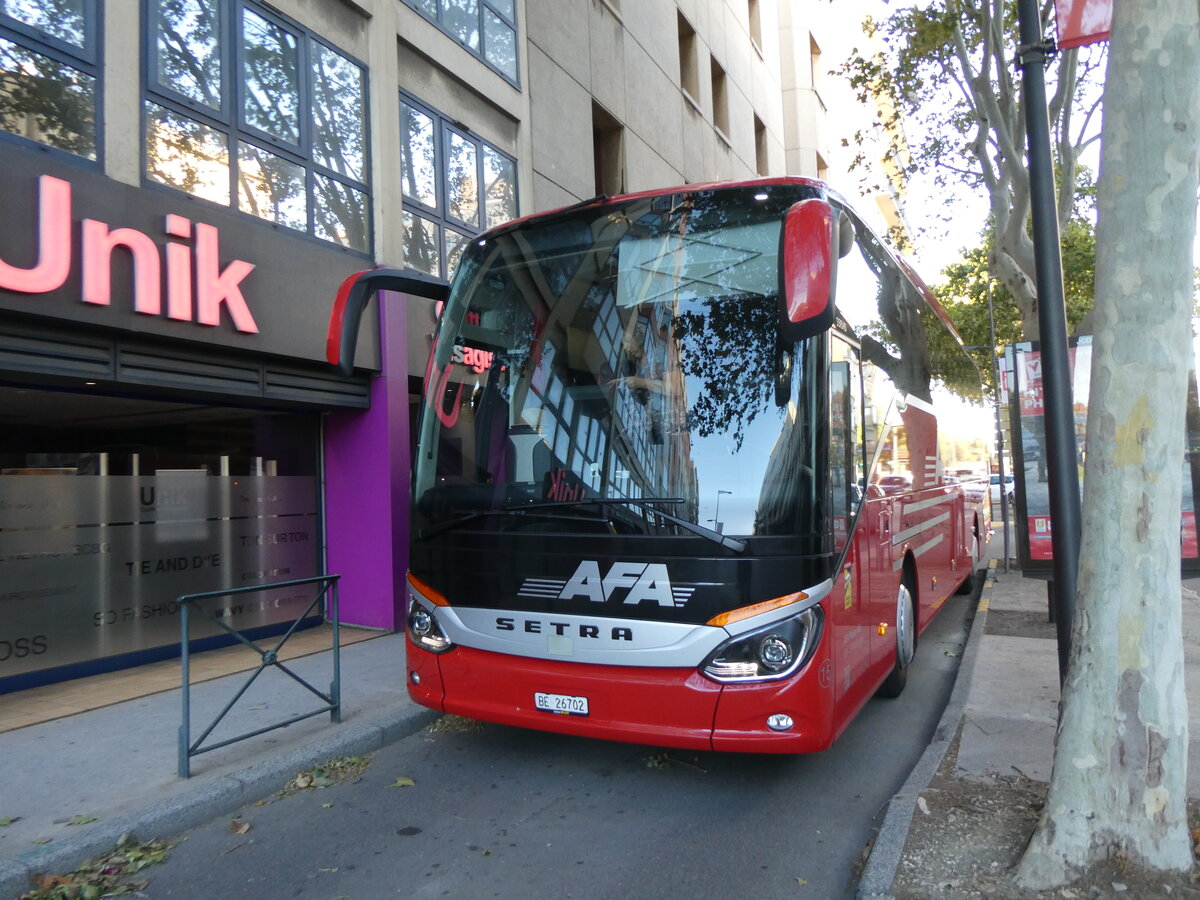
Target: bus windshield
{"points": [[627, 352]]}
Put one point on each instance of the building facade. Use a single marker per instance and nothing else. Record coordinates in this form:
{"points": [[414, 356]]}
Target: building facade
{"points": [[187, 182]]}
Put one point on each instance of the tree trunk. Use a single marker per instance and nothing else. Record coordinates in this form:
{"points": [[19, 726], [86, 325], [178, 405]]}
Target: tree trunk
{"points": [[1119, 780]]}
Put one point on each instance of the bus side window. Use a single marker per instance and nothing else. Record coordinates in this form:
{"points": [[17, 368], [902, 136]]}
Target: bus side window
{"points": [[845, 438]]}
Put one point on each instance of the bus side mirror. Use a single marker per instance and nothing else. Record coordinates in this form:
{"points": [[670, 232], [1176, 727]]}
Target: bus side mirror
{"points": [[813, 237], [352, 297]]}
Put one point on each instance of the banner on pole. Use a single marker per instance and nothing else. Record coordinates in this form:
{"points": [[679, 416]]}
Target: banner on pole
{"points": [[1082, 22]]}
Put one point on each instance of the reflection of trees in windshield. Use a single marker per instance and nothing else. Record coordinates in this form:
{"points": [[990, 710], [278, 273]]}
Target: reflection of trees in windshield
{"points": [[730, 349], [913, 346]]}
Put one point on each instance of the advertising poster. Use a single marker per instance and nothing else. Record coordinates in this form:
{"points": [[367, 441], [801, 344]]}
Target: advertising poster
{"points": [[1023, 371]]}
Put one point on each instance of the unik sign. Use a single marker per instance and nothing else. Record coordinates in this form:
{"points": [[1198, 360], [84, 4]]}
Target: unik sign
{"points": [[196, 286]]}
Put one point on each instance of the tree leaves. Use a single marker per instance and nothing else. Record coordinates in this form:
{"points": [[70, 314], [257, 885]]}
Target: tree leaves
{"points": [[105, 876]]}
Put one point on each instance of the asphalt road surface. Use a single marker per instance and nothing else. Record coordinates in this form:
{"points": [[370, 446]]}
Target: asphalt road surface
{"points": [[500, 812]]}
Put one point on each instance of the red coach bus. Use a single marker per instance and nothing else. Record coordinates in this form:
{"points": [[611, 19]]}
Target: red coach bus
{"points": [[678, 476]]}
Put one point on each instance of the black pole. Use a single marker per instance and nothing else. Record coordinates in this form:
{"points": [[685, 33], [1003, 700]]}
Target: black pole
{"points": [[1065, 513]]}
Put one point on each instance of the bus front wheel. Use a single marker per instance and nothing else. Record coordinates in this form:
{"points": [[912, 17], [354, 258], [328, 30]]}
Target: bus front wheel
{"points": [[906, 642]]}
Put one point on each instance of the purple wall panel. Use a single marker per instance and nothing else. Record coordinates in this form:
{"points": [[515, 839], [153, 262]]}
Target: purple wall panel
{"points": [[367, 486]]}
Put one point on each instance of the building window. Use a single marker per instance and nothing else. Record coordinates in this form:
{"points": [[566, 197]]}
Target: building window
{"points": [[689, 56], [486, 29], [755, 22], [248, 109], [49, 73], [720, 100], [760, 147], [608, 156], [454, 186]]}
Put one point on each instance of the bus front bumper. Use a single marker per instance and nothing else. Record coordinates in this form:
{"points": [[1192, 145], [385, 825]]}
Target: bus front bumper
{"points": [[662, 707]]}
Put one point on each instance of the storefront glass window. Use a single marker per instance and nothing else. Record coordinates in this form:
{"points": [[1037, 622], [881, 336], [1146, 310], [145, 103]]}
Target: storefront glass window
{"points": [[297, 114], [117, 507]]}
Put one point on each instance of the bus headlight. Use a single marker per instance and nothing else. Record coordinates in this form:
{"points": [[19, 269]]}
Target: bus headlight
{"points": [[424, 630], [769, 653]]}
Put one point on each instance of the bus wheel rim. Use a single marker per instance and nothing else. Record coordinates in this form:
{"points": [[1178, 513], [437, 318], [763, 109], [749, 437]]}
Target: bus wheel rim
{"points": [[905, 646]]}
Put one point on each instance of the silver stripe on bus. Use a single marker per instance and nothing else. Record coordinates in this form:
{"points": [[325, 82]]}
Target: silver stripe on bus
{"points": [[585, 639], [907, 533], [597, 640], [542, 588], [928, 545], [906, 508]]}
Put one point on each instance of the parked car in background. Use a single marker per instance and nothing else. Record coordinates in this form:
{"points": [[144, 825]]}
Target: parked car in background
{"points": [[894, 484], [1009, 490]]}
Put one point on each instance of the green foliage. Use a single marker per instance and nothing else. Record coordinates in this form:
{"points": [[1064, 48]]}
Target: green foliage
{"points": [[941, 74], [965, 292]]}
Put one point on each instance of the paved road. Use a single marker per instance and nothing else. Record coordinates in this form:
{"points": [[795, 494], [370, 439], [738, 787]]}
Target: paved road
{"points": [[501, 812]]}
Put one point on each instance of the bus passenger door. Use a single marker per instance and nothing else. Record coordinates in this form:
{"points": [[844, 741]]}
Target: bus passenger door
{"points": [[849, 612]]}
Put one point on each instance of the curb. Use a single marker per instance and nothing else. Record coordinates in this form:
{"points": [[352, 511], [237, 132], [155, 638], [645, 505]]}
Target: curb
{"points": [[194, 805], [884, 859]]}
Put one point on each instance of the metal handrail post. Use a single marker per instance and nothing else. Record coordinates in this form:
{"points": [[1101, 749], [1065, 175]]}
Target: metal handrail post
{"points": [[335, 689], [185, 737]]}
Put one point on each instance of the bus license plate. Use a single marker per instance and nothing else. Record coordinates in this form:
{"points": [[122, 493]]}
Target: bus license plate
{"points": [[563, 704]]}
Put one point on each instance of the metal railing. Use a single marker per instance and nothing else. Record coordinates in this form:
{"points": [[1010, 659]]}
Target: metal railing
{"points": [[267, 658]]}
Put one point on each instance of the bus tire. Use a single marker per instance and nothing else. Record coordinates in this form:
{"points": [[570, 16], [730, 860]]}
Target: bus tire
{"points": [[906, 640]]}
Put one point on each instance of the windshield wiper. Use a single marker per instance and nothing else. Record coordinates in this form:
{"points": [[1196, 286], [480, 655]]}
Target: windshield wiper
{"points": [[647, 502], [451, 524]]}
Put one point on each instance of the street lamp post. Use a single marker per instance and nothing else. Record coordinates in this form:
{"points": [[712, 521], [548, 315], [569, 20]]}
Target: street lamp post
{"points": [[717, 523]]}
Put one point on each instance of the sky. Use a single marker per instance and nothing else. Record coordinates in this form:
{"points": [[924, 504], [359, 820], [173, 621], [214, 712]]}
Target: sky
{"points": [[941, 243]]}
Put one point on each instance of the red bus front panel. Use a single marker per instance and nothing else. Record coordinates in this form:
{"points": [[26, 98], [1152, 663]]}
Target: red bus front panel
{"points": [[672, 707]]}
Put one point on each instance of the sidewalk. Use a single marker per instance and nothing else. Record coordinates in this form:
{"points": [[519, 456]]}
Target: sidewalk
{"points": [[1006, 701], [119, 763]]}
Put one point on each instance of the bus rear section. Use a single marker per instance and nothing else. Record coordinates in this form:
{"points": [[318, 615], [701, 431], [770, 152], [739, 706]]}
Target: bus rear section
{"points": [[649, 494]]}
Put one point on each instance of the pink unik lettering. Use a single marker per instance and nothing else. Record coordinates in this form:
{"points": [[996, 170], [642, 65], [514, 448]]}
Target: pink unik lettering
{"points": [[54, 243]]}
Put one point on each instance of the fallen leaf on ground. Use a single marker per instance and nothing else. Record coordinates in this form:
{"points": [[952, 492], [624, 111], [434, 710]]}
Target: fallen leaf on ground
{"points": [[9, 820], [83, 820], [238, 827], [402, 781]]}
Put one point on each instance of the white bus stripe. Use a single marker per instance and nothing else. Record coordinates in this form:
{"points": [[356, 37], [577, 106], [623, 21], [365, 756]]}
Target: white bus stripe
{"points": [[912, 532], [928, 545]]}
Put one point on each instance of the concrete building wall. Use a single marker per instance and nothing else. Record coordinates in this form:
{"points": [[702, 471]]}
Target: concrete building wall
{"points": [[621, 57]]}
